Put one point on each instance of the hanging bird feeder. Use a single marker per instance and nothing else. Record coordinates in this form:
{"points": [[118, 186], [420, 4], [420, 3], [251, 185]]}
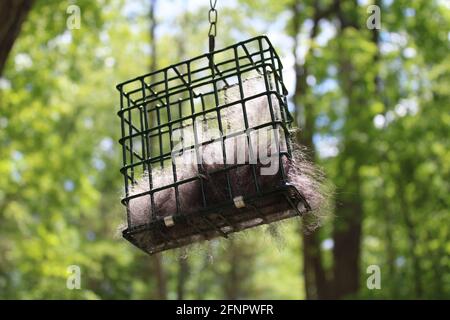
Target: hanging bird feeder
{"points": [[206, 148]]}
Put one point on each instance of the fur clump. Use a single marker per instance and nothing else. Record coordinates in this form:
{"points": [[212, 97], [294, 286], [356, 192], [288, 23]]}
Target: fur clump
{"points": [[243, 177], [164, 203], [310, 181]]}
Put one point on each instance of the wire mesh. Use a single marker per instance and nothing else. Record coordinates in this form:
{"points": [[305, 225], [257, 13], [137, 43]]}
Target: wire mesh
{"points": [[164, 116]]}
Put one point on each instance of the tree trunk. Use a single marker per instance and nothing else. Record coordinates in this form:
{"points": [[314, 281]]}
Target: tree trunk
{"points": [[384, 199], [347, 243], [314, 274], [389, 234], [316, 285], [183, 261], [183, 272], [12, 15], [232, 285], [153, 25], [160, 275], [349, 212], [161, 290], [411, 233]]}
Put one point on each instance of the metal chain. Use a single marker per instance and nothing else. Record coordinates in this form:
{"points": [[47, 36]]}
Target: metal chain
{"points": [[212, 18]]}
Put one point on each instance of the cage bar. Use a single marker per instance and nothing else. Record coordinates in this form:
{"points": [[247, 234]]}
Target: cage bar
{"points": [[235, 99]]}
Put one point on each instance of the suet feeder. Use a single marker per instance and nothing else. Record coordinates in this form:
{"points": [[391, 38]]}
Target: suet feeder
{"points": [[189, 136]]}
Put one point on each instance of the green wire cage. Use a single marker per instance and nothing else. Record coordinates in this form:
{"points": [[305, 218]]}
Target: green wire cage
{"points": [[235, 93]]}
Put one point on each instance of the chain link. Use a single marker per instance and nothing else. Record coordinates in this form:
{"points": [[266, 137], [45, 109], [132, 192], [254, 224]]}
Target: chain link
{"points": [[212, 26], [212, 18]]}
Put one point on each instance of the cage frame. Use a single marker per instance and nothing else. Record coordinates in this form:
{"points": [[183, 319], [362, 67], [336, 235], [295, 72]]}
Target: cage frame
{"points": [[226, 217]]}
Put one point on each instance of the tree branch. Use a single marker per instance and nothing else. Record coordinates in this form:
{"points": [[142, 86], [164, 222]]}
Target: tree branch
{"points": [[12, 15]]}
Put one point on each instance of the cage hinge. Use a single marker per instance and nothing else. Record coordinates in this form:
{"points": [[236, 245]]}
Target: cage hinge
{"points": [[239, 202], [168, 221]]}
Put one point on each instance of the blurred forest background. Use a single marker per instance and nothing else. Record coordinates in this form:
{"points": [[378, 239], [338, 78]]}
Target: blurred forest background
{"points": [[373, 105]]}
